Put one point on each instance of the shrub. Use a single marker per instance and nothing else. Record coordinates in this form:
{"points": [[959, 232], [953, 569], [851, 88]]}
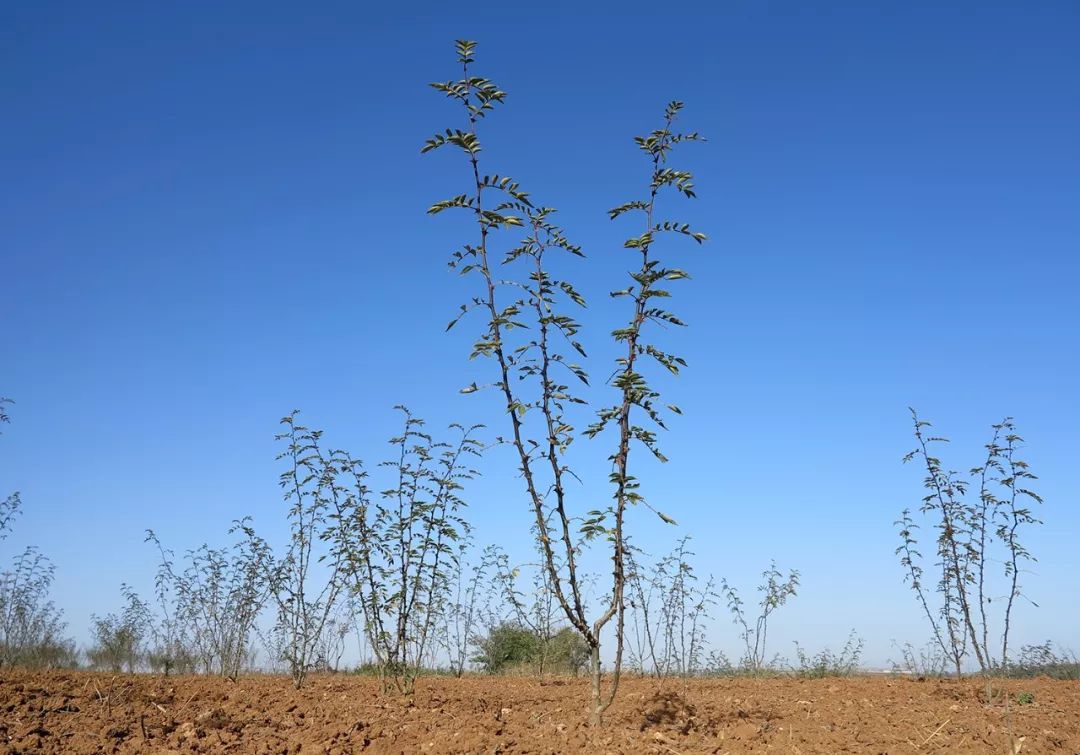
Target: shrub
{"points": [[31, 626], [927, 661], [211, 605], [507, 646], [512, 647], [119, 640], [827, 663], [1045, 660]]}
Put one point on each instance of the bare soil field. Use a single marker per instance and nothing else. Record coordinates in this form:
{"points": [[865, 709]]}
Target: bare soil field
{"points": [[81, 712]]}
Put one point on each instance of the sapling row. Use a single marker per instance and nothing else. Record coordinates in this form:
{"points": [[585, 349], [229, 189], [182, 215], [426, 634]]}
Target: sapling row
{"points": [[384, 561], [394, 562]]}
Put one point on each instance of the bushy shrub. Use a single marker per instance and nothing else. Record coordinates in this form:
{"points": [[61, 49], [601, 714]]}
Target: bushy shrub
{"points": [[119, 639], [31, 626], [507, 646], [510, 647], [830, 663], [929, 660], [1045, 660], [211, 605]]}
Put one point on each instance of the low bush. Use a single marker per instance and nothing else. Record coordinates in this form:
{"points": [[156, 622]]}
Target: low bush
{"points": [[514, 648], [1045, 660], [828, 663]]}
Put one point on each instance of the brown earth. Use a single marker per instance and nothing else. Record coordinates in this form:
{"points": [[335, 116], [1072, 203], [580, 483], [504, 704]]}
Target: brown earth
{"points": [[80, 712]]}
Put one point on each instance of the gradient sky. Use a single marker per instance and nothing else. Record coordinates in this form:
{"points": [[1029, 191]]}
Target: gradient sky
{"points": [[213, 214]]}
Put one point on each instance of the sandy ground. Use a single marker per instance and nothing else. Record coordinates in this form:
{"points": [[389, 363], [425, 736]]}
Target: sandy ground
{"points": [[82, 712]]}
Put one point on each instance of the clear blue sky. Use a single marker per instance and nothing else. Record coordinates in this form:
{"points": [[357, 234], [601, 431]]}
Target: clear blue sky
{"points": [[214, 213]]}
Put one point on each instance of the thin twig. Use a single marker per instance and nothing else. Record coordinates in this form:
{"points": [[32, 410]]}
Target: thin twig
{"points": [[938, 729]]}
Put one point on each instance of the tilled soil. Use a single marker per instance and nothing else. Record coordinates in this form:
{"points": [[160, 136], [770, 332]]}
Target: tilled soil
{"points": [[81, 712]]}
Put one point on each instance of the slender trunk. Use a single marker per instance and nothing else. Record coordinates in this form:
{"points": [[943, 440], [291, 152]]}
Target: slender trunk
{"points": [[575, 614], [948, 544], [1014, 562], [596, 716]]}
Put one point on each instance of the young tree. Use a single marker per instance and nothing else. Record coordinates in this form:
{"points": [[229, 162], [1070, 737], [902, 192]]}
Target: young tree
{"points": [[331, 644], [400, 550], [775, 592], [470, 596], [971, 535], [540, 428], [304, 604], [172, 647], [669, 612]]}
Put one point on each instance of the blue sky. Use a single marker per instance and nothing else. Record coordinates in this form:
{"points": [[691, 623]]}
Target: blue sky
{"points": [[214, 215]]}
